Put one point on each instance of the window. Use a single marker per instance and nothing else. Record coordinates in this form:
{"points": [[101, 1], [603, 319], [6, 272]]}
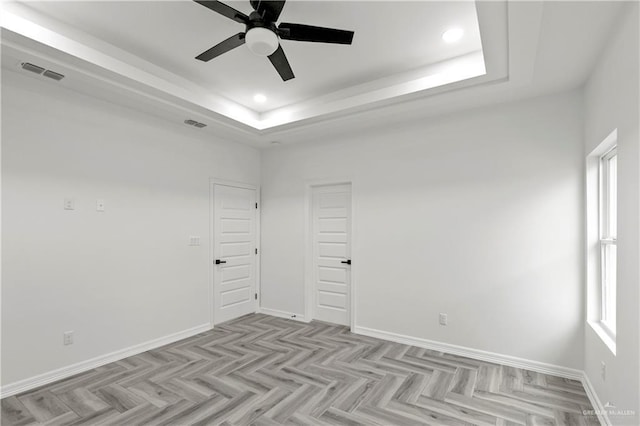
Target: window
{"points": [[601, 239], [608, 171]]}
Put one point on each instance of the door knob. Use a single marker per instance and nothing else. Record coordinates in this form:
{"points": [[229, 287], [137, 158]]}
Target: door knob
{"points": [[348, 262], [218, 261]]}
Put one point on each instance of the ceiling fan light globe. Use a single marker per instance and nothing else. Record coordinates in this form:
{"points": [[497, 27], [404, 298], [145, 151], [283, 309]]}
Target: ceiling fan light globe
{"points": [[261, 41]]}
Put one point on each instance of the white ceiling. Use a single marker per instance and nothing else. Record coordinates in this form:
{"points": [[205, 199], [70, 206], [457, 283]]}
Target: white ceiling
{"points": [[141, 54]]}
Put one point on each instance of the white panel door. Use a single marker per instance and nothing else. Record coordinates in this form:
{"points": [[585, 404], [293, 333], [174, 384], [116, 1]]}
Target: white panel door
{"points": [[234, 252], [332, 253]]}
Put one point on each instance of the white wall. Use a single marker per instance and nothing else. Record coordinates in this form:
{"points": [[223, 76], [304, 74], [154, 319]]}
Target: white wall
{"points": [[117, 278], [611, 99], [476, 215]]}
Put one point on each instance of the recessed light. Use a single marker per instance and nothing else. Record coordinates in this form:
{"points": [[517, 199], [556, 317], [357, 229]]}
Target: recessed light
{"points": [[260, 98], [452, 35]]}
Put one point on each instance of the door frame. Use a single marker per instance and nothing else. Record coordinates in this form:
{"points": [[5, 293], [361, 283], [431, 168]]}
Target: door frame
{"points": [[212, 183], [308, 242]]}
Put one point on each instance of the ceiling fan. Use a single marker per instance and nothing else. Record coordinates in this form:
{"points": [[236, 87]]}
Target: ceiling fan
{"points": [[261, 33]]}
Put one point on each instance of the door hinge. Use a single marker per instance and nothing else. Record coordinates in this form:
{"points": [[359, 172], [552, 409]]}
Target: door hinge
{"points": [[256, 296], [256, 205], [256, 251]]}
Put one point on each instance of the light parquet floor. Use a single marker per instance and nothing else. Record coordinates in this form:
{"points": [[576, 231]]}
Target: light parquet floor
{"points": [[264, 370]]}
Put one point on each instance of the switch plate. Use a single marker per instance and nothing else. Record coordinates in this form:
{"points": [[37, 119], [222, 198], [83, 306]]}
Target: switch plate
{"points": [[100, 205], [69, 204], [67, 338], [442, 318], [194, 241]]}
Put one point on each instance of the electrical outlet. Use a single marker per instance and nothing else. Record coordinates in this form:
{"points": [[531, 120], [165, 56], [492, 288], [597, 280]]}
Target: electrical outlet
{"points": [[69, 204], [67, 338], [603, 370], [194, 241], [443, 319], [100, 205]]}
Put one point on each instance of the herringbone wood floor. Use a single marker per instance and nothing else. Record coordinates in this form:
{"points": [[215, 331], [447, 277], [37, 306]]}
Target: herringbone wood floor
{"points": [[264, 370]]}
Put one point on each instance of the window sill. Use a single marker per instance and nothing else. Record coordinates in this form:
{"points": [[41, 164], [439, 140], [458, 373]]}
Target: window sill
{"points": [[604, 336]]}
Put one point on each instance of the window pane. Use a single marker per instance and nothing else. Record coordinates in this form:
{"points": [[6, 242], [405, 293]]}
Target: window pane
{"points": [[613, 196], [609, 253]]}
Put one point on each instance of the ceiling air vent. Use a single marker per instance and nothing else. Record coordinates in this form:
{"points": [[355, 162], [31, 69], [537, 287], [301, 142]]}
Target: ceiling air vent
{"points": [[195, 123], [42, 71], [33, 68], [53, 75]]}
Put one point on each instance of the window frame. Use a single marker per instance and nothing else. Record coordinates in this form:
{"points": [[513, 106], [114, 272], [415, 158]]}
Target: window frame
{"points": [[607, 239], [593, 247]]}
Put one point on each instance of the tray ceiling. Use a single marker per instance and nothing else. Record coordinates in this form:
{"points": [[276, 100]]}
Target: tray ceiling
{"points": [[398, 52]]}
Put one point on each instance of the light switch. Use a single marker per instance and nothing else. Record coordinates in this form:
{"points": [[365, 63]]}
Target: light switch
{"points": [[194, 241], [443, 319], [69, 204], [100, 205]]}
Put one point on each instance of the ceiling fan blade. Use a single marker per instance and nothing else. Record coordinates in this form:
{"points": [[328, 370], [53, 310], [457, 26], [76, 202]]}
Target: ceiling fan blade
{"points": [[268, 9], [222, 47], [301, 32], [225, 10], [281, 64]]}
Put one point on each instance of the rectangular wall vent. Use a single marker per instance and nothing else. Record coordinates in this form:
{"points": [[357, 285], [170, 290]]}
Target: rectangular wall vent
{"points": [[33, 68], [42, 71], [53, 75], [194, 123]]}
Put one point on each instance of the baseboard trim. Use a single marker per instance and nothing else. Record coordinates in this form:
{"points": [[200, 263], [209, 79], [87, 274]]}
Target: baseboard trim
{"points": [[80, 367], [282, 314], [600, 409], [481, 355]]}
